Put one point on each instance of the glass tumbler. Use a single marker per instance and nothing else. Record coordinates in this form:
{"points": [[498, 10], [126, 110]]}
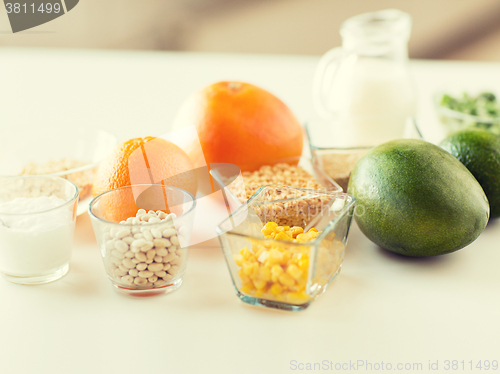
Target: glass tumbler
{"points": [[143, 233], [283, 274], [37, 223]]}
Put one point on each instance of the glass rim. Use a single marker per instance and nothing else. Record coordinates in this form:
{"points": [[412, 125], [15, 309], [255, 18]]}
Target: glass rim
{"points": [[312, 146], [94, 200], [320, 237], [51, 177]]}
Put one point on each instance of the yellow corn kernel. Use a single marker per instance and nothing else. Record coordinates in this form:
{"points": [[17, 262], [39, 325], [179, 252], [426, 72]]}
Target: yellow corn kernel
{"points": [[267, 232], [303, 264], [270, 225], [244, 278], [272, 235], [286, 280], [238, 259], [282, 236], [247, 268], [245, 253], [259, 284], [286, 228], [275, 256], [303, 237], [247, 287], [297, 297], [313, 229], [294, 271], [265, 274], [259, 252], [286, 257], [313, 234], [279, 229], [276, 289], [255, 270], [296, 230]]}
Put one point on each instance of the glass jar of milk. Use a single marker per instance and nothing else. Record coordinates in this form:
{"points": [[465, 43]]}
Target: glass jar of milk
{"points": [[366, 85]]}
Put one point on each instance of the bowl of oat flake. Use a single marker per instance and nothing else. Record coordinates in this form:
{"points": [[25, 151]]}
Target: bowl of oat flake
{"points": [[69, 153]]}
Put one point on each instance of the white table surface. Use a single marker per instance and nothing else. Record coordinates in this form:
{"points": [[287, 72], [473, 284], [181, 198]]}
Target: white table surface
{"points": [[382, 308]]}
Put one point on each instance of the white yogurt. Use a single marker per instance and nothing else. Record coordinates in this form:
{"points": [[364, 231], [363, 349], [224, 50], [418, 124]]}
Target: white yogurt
{"points": [[36, 242]]}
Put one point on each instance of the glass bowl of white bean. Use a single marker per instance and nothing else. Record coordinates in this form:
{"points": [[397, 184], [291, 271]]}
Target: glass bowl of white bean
{"points": [[145, 253]]}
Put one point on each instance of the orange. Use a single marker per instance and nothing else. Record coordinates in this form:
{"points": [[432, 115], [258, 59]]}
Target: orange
{"points": [[242, 124], [141, 161]]}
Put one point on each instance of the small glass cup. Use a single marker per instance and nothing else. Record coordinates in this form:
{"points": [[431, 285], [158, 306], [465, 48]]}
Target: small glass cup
{"points": [[336, 155], [256, 263], [144, 256], [37, 223]]}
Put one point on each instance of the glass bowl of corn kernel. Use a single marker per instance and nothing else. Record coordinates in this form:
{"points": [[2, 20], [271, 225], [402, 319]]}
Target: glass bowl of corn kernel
{"points": [[285, 245]]}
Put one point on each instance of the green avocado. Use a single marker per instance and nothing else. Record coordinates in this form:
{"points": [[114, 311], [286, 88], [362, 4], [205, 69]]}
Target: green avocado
{"points": [[416, 199], [479, 151]]}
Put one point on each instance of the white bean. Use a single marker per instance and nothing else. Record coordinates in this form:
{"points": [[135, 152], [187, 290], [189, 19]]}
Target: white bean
{"points": [[123, 268], [128, 263], [162, 252], [123, 222], [168, 233], [135, 261], [110, 244], [129, 219], [138, 243], [113, 231], [146, 247], [117, 254], [140, 281], [142, 266], [153, 278], [148, 261], [168, 277], [160, 274], [161, 215], [146, 274], [136, 221], [145, 217], [154, 220], [155, 267], [161, 243], [158, 259], [119, 272], [121, 246], [147, 235], [169, 257], [128, 240], [151, 254], [176, 261], [175, 240], [128, 279], [135, 230], [135, 249], [122, 233], [156, 233], [140, 211], [138, 235], [130, 254], [133, 272], [140, 256], [173, 270], [116, 261], [166, 266]]}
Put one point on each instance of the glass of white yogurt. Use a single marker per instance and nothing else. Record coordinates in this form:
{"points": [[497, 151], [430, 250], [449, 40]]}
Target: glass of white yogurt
{"points": [[37, 223]]}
